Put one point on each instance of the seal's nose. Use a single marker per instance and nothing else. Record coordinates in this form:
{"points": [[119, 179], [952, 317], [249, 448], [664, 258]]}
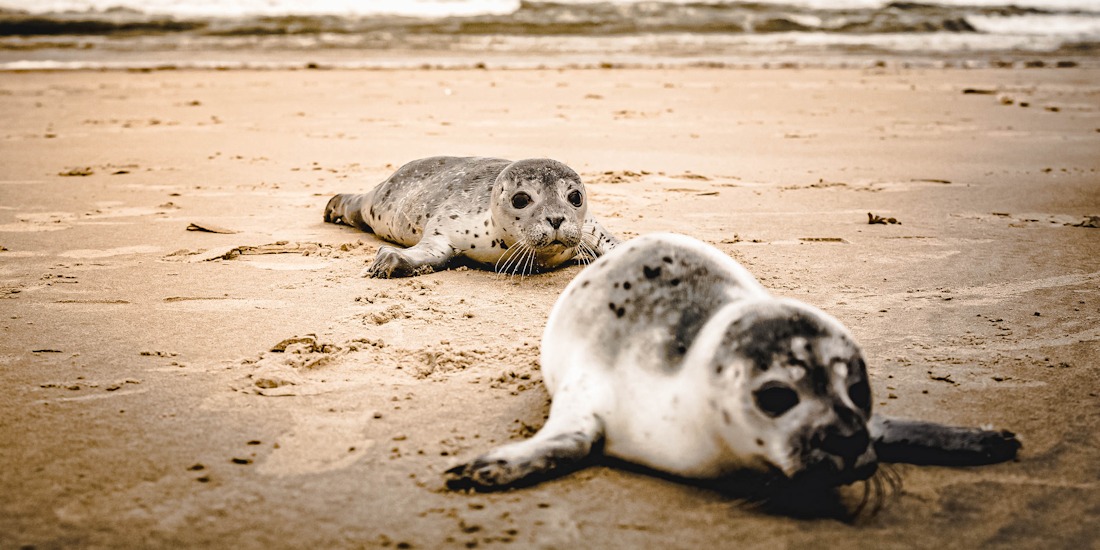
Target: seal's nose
{"points": [[556, 221], [847, 446]]}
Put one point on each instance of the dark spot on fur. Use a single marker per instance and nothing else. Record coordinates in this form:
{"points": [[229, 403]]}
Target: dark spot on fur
{"points": [[760, 442], [517, 218], [726, 417], [454, 216], [467, 231], [585, 284], [770, 337], [503, 246], [620, 312], [611, 305], [475, 235], [666, 260], [472, 246], [626, 285], [616, 285], [436, 233], [719, 368], [675, 282], [651, 272], [486, 223], [681, 349]]}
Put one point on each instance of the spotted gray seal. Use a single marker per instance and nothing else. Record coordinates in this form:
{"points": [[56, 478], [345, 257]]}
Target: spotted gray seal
{"points": [[668, 354], [517, 217]]}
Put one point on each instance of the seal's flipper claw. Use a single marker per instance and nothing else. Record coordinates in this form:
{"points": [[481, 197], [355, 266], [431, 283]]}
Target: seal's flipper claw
{"points": [[458, 478], [427, 256], [561, 446], [332, 209], [390, 262]]}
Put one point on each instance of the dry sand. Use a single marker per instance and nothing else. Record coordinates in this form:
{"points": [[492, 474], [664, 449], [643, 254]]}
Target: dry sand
{"points": [[142, 406]]}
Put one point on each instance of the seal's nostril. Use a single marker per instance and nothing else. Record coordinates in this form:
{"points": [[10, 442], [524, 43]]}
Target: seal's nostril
{"points": [[846, 446], [556, 221]]}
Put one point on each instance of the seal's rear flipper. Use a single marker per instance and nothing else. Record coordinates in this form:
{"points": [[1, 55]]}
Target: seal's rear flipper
{"points": [[346, 208], [916, 442]]}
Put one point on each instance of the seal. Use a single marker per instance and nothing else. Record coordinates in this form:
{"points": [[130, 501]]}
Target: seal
{"points": [[517, 217], [668, 354]]}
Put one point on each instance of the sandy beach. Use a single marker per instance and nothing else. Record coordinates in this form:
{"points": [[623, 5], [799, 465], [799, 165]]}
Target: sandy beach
{"points": [[144, 404]]}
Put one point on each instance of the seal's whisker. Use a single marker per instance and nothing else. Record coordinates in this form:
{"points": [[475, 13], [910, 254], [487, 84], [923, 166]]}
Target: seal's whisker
{"points": [[503, 257], [529, 265], [590, 238], [508, 257], [525, 252], [501, 266], [585, 254], [863, 500], [879, 499], [589, 252], [515, 253], [892, 478], [521, 254]]}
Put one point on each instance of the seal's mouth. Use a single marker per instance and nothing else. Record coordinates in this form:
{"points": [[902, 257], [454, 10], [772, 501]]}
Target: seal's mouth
{"points": [[827, 474], [557, 244]]}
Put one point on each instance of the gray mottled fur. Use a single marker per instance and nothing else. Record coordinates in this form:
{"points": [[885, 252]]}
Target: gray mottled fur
{"points": [[445, 207]]}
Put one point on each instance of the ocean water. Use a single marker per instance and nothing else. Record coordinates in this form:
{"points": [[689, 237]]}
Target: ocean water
{"points": [[60, 34]]}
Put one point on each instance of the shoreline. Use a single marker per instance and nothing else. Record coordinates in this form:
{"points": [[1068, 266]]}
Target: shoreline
{"points": [[872, 62]]}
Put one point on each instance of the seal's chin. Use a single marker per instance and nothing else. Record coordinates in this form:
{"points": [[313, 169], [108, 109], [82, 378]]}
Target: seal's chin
{"points": [[826, 473], [553, 254]]}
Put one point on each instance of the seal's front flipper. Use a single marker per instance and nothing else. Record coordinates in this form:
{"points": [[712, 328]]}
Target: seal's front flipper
{"points": [[553, 451], [426, 257], [916, 442], [597, 240]]}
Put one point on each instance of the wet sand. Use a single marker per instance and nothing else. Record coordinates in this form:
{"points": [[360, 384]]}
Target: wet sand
{"points": [[143, 406]]}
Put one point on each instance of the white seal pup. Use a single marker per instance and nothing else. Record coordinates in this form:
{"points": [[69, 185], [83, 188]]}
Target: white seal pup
{"points": [[517, 217], [668, 354]]}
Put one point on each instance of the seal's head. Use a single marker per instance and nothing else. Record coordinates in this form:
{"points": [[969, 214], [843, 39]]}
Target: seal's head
{"points": [[793, 394], [541, 204]]}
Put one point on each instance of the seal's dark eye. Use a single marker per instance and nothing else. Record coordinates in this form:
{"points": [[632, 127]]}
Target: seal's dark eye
{"points": [[775, 400], [520, 200], [575, 198], [860, 393]]}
